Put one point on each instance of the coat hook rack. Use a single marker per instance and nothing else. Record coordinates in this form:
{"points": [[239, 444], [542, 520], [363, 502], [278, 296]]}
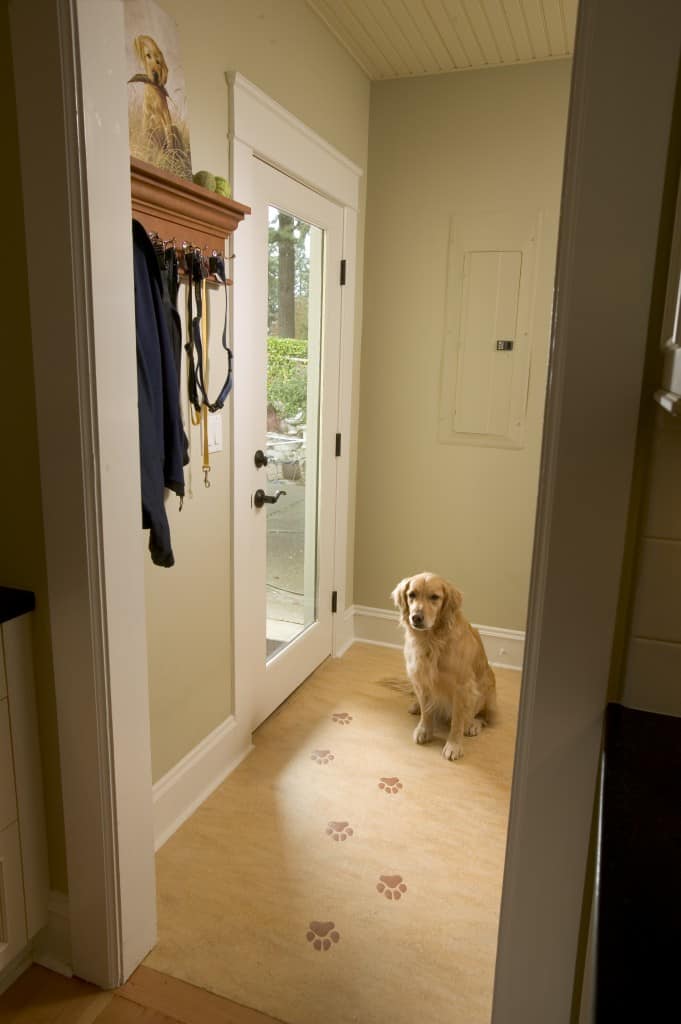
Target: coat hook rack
{"points": [[174, 209], [210, 259]]}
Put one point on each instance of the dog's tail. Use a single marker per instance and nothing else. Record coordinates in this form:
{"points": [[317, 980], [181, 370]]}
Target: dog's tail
{"points": [[399, 683], [491, 711]]}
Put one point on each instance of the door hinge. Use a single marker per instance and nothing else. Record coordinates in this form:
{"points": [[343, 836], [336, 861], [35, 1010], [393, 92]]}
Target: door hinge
{"points": [[334, 602], [343, 271], [338, 445]]}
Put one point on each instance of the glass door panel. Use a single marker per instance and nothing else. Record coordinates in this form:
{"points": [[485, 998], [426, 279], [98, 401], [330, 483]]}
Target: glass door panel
{"points": [[294, 335]]}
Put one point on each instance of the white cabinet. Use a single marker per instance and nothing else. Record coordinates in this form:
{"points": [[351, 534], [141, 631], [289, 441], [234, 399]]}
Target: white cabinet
{"points": [[13, 935], [23, 847], [8, 800]]}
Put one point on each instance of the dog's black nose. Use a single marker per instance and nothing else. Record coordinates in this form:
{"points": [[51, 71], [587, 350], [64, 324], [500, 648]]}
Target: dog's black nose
{"points": [[417, 619]]}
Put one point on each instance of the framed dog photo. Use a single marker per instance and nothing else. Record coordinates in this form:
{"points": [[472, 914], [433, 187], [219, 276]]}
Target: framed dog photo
{"points": [[157, 105]]}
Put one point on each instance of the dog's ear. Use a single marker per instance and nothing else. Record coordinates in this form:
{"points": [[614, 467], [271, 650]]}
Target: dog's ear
{"points": [[138, 43], [399, 594], [453, 596], [164, 69]]}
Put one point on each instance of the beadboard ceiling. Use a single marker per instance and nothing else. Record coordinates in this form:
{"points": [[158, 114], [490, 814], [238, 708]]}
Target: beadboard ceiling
{"points": [[402, 38]]}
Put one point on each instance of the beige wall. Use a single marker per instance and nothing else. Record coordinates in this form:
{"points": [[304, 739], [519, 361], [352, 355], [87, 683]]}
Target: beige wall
{"points": [[189, 624], [285, 50], [22, 546], [439, 145], [646, 670], [652, 669]]}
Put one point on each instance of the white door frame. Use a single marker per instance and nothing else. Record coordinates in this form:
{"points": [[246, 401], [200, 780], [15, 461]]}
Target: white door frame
{"points": [[71, 108], [621, 110], [261, 128], [72, 117], [274, 682]]}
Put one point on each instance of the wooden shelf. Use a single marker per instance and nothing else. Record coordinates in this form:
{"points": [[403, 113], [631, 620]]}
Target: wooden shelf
{"points": [[179, 209]]}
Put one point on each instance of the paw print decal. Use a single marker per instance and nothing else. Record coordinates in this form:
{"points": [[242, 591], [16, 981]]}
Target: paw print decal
{"points": [[321, 756], [321, 934], [342, 717], [339, 831], [390, 785], [391, 886]]}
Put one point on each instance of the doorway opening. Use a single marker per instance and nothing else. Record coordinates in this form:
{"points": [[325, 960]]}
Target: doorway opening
{"points": [[330, 820], [373, 605]]}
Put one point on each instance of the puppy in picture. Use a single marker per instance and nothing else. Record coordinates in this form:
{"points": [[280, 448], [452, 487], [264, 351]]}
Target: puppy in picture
{"points": [[157, 123], [445, 660]]}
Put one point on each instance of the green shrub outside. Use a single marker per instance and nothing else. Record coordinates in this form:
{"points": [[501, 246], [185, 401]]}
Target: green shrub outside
{"points": [[286, 375]]}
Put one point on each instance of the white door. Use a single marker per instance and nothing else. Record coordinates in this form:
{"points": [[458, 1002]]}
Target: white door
{"points": [[299, 239]]}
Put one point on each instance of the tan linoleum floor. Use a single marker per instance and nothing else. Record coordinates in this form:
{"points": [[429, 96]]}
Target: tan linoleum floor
{"points": [[263, 901]]}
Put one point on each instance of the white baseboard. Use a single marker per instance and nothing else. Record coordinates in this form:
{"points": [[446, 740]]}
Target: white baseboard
{"points": [[377, 626], [52, 945], [191, 781], [175, 797], [504, 647], [344, 632], [15, 968]]}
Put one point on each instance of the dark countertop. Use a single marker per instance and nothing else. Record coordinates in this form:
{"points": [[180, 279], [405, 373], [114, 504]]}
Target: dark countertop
{"points": [[639, 896], [14, 602]]}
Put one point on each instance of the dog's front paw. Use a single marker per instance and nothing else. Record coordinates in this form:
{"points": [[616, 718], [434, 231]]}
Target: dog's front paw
{"points": [[414, 708], [474, 728], [452, 751], [421, 734]]}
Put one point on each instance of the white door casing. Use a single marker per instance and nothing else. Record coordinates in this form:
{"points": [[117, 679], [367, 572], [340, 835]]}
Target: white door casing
{"points": [[262, 131], [619, 125], [72, 117], [291, 665]]}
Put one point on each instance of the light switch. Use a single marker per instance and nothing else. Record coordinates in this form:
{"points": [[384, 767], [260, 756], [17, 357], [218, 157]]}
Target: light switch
{"points": [[215, 432]]}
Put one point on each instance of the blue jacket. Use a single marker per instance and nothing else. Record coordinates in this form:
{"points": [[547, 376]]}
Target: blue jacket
{"points": [[158, 399]]}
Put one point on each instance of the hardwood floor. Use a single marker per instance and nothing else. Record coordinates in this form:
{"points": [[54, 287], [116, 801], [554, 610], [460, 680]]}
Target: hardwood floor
{"points": [[243, 930], [254, 878], [43, 997]]}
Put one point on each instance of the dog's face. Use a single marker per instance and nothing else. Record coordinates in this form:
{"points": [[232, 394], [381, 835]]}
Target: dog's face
{"points": [[425, 600], [152, 59]]}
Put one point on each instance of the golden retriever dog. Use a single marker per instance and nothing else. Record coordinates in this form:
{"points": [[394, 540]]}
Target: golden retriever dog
{"points": [[445, 660], [156, 118]]}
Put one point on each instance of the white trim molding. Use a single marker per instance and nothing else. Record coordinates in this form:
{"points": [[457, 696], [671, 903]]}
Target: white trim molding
{"points": [[622, 116], [71, 100], [15, 968], [277, 137], [260, 127], [376, 626], [191, 781], [504, 647], [52, 946], [348, 352], [344, 632]]}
